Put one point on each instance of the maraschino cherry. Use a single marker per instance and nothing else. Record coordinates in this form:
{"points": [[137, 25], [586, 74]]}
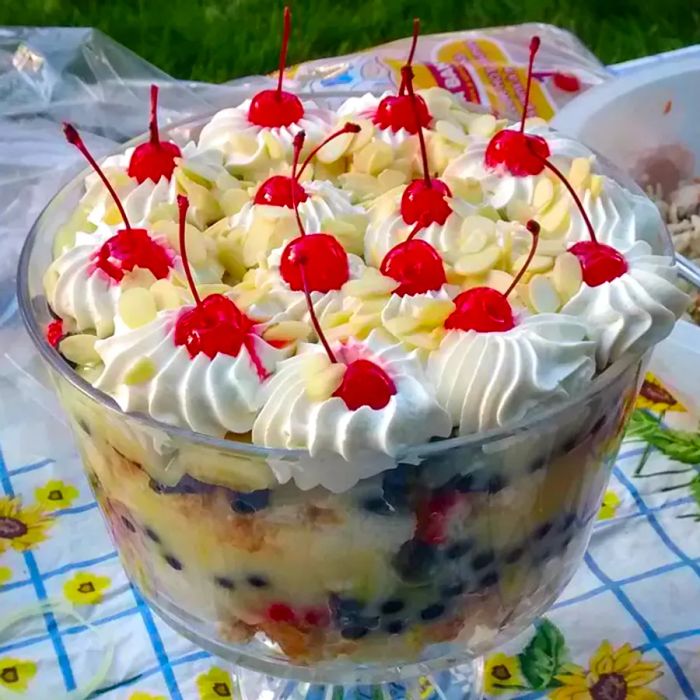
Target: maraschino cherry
{"points": [[277, 108], [396, 112], [423, 201], [154, 159], [600, 263], [129, 247], [276, 191], [487, 310], [513, 150], [566, 82], [414, 263], [215, 324], [313, 262]]}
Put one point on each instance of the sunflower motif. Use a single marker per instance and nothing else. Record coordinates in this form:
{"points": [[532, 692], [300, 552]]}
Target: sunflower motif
{"points": [[21, 528], [216, 684], [655, 397], [55, 495], [609, 506], [5, 574], [85, 588], [139, 695], [502, 674], [613, 674], [15, 674]]}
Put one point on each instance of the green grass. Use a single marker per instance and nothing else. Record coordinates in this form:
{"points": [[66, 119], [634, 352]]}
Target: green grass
{"points": [[217, 40]]}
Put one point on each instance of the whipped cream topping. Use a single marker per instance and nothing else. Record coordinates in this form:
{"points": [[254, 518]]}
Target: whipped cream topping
{"points": [[85, 295], [486, 380], [346, 446], [142, 201], [387, 228], [264, 295], [145, 372], [635, 310], [262, 228], [254, 151]]}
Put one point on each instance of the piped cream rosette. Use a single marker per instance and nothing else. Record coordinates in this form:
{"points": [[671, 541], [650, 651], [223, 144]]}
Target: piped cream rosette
{"points": [[253, 152], [345, 446], [257, 229], [146, 372], [376, 160], [87, 298]]}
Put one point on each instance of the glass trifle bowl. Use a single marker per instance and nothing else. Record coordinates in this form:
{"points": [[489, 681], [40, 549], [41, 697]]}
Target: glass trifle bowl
{"points": [[453, 547]]}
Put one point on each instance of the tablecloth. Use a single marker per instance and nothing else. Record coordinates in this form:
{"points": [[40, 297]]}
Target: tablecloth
{"points": [[627, 626]]}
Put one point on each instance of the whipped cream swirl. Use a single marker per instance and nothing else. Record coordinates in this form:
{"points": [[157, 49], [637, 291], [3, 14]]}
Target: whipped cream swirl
{"points": [[346, 446], [144, 371], [254, 151], [487, 380], [635, 310], [262, 228]]}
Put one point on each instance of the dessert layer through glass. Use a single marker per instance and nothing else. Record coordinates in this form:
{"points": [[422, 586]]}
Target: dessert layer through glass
{"points": [[458, 545]]}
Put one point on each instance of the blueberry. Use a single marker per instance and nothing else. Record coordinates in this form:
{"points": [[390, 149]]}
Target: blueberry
{"points": [[514, 555], [370, 623], [395, 627], [225, 582], [378, 506], [251, 502], [345, 606], [432, 612], [186, 486], [174, 562], [489, 579], [151, 534], [452, 590], [128, 524], [496, 483], [465, 484], [482, 560], [257, 581], [397, 484], [458, 549], [542, 531], [354, 632], [393, 606], [415, 561]]}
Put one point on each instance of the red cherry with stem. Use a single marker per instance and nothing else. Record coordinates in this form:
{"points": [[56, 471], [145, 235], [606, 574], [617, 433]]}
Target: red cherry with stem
{"points": [[365, 384], [215, 325], [423, 200], [276, 191], [416, 265], [600, 263], [513, 150], [487, 310], [396, 112], [154, 159], [567, 82], [129, 247], [281, 612], [54, 332], [277, 108]]}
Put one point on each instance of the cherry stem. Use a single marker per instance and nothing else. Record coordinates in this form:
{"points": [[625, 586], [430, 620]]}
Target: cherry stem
{"points": [[283, 50], [73, 137], [312, 313], [534, 47], [569, 186], [153, 124], [349, 128], [534, 228], [420, 225], [183, 205], [298, 145], [411, 53], [407, 73]]}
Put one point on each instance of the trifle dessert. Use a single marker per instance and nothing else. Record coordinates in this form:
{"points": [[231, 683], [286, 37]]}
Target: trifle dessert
{"points": [[336, 405]]}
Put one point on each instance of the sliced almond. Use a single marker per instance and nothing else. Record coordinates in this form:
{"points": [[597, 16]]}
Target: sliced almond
{"points": [[80, 349], [451, 132], [543, 296], [557, 219], [580, 173], [483, 125], [370, 285], [479, 263], [274, 147], [287, 330], [435, 311], [543, 194], [363, 136], [539, 263], [596, 185], [468, 189], [166, 295], [232, 201], [390, 178], [567, 275], [137, 307], [499, 280], [321, 386], [138, 277], [401, 325], [141, 371], [336, 148]]}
